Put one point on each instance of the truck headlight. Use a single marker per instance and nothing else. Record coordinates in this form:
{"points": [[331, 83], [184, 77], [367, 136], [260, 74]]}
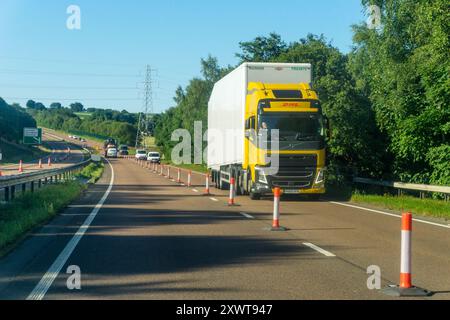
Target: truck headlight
{"points": [[320, 177], [261, 175]]}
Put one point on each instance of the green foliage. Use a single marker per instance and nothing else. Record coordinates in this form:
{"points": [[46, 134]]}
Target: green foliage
{"points": [[404, 69], [98, 124], [192, 105], [13, 119], [92, 172]]}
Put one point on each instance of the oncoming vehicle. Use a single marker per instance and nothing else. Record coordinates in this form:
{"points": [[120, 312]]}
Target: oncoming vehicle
{"points": [[141, 155], [111, 153], [154, 157]]}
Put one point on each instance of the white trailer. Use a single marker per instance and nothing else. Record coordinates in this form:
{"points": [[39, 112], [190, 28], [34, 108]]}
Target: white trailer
{"points": [[226, 108]]}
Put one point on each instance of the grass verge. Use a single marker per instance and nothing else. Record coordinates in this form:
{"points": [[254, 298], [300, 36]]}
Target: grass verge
{"points": [[92, 172], [31, 210], [424, 207], [193, 167]]}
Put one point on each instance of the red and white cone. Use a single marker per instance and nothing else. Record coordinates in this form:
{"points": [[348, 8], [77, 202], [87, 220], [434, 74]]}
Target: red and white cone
{"points": [[231, 199], [406, 289], [189, 184], [20, 166], [276, 211]]}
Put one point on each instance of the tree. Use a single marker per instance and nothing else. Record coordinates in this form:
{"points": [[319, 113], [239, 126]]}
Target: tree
{"points": [[262, 49], [56, 105], [31, 104], [39, 106], [405, 70], [77, 107]]}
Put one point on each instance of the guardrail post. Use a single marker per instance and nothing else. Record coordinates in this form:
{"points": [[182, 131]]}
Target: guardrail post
{"points": [[32, 186], [13, 192], [24, 187], [39, 183]]}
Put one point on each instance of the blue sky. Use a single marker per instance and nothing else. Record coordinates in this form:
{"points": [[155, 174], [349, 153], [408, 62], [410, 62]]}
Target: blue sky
{"points": [[102, 65]]}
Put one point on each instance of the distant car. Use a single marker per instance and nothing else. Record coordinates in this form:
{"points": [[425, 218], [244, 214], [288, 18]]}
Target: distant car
{"points": [[141, 155], [111, 153], [123, 150], [83, 140], [75, 137], [154, 157]]}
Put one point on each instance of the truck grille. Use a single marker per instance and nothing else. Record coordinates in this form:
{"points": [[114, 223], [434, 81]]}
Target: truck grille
{"points": [[298, 178]]}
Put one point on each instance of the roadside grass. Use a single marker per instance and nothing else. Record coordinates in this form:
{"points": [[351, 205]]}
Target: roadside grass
{"points": [[425, 207], [194, 167], [30, 210], [92, 172]]}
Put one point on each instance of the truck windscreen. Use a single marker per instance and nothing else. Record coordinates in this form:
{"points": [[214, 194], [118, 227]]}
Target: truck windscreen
{"points": [[293, 127]]}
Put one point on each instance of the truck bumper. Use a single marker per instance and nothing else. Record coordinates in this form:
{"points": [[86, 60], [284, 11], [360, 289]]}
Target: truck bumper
{"points": [[265, 189]]}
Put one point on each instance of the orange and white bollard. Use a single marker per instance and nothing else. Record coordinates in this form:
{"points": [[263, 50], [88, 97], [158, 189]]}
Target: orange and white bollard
{"points": [[406, 289], [40, 163], [405, 272], [162, 170], [276, 211], [49, 161], [189, 184], [168, 172], [20, 166], [207, 189], [231, 199], [179, 176]]}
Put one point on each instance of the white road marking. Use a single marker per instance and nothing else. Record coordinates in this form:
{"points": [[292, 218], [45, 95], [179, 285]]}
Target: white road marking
{"points": [[47, 280], [390, 214], [247, 215], [214, 199], [318, 249], [194, 190]]}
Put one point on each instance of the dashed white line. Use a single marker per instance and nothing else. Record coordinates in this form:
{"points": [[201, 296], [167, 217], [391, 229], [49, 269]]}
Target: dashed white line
{"points": [[247, 215], [389, 214], [318, 249], [49, 277], [194, 190], [214, 199]]}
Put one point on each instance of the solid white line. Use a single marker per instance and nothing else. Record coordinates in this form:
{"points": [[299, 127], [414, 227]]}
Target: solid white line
{"points": [[47, 280], [318, 249], [247, 215], [214, 199], [390, 214]]}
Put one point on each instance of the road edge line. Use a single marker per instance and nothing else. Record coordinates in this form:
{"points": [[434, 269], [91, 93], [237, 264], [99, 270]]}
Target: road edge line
{"points": [[390, 214], [52, 273]]}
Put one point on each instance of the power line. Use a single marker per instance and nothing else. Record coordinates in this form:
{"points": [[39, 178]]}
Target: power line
{"points": [[37, 72], [73, 99], [65, 87]]}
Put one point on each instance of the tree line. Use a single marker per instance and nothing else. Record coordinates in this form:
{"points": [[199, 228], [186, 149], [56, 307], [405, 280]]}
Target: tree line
{"points": [[387, 100], [102, 123]]}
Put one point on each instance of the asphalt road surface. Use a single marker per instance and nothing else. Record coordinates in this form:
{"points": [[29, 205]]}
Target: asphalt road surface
{"points": [[153, 238]]}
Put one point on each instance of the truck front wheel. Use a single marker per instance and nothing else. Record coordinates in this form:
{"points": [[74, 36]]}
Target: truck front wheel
{"points": [[253, 195]]}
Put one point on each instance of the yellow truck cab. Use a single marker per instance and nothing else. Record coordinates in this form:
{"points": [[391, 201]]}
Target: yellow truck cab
{"points": [[244, 110]]}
